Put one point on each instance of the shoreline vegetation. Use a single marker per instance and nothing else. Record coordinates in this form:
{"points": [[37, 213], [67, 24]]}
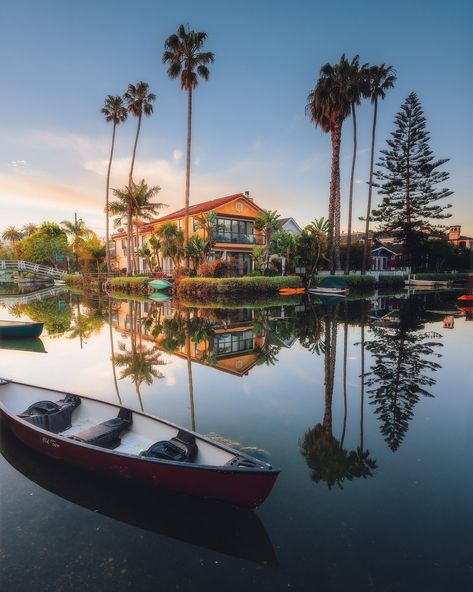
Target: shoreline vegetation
{"points": [[249, 285]]}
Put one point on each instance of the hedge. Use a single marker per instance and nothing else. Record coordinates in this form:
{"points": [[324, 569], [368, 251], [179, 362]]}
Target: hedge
{"points": [[130, 285], [74, 279], [237, 285]]}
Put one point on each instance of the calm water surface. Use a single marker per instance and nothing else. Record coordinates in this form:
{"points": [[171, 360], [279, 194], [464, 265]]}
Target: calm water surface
{"points": [[369, 417]]}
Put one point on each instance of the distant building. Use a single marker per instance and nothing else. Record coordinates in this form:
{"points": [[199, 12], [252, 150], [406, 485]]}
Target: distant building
{"points": [[289, 225], [386, 257], [457, 239]]}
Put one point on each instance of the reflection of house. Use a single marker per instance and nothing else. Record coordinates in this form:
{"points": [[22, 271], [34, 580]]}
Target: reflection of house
{"points": [[457, 239], [235, 231], [233, 346]]}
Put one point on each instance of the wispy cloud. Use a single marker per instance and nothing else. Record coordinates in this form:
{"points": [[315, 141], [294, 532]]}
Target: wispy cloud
{"points": [[17, 163]]}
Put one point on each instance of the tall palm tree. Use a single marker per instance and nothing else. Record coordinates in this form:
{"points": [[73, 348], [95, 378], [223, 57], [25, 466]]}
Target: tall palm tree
{"points": [[139, 101], [182, 53], [358, 88], [381, 78], [12, 234], [114, 111], [327, 106], [133, 202]]}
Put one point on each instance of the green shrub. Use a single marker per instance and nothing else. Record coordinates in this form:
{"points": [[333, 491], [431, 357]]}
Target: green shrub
{"points": [[241, 285], [130, 285], [74, 279]]}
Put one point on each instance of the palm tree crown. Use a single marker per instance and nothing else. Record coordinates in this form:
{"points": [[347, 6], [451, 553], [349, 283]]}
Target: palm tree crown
{"points": [[139, 99], [182, 53], [114, 110], [12, 234]]}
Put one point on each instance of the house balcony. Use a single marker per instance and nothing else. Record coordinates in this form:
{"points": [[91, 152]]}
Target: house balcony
{"points": [[239, 239]]}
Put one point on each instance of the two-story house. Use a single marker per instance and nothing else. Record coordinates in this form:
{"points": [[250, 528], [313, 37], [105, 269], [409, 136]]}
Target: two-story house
{"points": [[235, 232]]}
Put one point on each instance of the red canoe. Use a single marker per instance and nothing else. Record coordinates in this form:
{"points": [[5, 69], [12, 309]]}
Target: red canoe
{"points": [[116, 441], [466, 297]]}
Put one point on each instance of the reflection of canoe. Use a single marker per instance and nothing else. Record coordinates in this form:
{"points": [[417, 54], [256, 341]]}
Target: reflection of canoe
{"points": [[159, 284], [115, 441], [159, 297], [290, 291], [211, 525], [20, 329], [31, 345]]}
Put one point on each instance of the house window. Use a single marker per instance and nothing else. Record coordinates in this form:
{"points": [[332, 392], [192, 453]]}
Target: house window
{"points": [[124, 246], [235, 231]]}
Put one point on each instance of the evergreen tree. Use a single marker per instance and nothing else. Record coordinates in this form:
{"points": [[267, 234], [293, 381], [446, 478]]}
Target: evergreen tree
{"points": [[408, 180]]}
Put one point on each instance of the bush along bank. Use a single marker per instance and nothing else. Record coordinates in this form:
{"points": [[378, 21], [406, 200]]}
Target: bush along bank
{"points": [[237, 285], [74, 279], [366, 282], [129, 285]]}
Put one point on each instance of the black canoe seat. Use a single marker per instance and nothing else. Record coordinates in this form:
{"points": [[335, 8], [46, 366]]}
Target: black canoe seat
{"points": [[50, 416], [107, 434], [181, 448]]}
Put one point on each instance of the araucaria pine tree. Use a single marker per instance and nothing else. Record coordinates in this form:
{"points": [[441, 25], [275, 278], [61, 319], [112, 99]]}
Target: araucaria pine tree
{"points": [[409, 180]]}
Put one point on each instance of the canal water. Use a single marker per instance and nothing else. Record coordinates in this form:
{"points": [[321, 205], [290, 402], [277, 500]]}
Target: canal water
{"points": [[366, 406]]}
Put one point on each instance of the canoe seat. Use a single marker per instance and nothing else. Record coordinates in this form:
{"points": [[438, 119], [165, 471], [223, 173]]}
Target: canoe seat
{"points": [[241, 461], [50, 416], [106, 434], [181, 448]]}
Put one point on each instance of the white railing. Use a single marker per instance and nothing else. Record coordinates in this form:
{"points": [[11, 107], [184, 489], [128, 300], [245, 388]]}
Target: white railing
{"points": [[10, 264]]}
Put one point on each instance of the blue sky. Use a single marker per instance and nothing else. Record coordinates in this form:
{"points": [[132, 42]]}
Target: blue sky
{"points": [[60, 59]]}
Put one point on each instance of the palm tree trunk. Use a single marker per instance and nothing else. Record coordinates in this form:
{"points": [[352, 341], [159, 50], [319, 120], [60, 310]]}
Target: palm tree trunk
{"points": [[370, 190], [131, 245], [188, 169], [128, 252], [107, 218], [336, 138], [350, 198]]}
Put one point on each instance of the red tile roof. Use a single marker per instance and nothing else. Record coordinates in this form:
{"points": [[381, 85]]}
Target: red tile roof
{"points": [[207, 206]]}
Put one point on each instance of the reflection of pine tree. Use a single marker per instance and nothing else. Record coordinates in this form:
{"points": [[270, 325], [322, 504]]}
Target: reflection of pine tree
{"points": [[326, 457], [397, 377]]}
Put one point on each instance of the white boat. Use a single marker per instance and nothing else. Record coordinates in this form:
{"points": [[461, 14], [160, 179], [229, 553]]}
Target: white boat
{"points": [[427, 283]]}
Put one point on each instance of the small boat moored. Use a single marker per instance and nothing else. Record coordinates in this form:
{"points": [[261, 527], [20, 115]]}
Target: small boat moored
{"points": [[118, 442], [331, 286], [159, 284], [20, 329]]}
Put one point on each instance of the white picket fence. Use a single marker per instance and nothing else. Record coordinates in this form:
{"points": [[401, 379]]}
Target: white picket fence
{"points": [[12, 265]]}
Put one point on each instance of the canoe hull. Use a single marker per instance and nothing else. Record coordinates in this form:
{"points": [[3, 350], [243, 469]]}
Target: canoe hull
{"points": [[243, 488], [159, 284], [21, 331]]}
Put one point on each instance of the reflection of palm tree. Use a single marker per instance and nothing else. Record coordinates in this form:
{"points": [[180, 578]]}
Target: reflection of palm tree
{"points": [[326, 457], [112, 351], [139, 363]]}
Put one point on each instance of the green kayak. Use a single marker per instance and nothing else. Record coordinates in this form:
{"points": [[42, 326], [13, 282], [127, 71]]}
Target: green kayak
{"points": [[159, 284], [159, 297]]}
